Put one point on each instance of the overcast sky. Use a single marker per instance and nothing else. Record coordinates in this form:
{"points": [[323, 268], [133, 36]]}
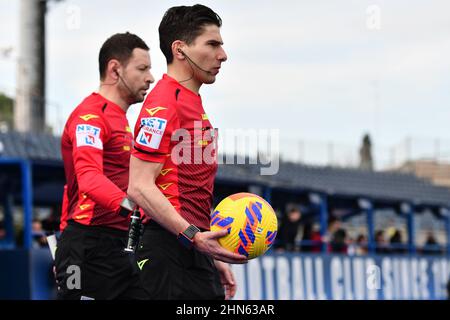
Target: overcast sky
{"points": [[315, 70]]}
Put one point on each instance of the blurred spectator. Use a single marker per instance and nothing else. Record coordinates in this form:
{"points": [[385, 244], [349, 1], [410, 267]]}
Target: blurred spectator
{"points": [[335, 237], [2, 230], [351, 246], [289, 230], [396, 242], [311, 239], [338, 243], [431, 245], [51, 223], [334, 234], [39, 237], [334, 224], [306, 237], [361, 245], [380, 243]]}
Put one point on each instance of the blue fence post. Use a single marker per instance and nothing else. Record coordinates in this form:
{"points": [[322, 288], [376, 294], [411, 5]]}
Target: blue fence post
{"points": [[324, 220], [408, 210], [367, 206], [321, 202], [27, 202]]}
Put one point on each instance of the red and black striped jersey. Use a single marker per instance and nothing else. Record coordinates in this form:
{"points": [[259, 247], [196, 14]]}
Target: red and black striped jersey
{"points": [[174, 129]]}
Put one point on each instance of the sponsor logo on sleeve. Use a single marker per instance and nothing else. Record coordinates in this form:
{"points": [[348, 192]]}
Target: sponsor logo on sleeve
{"points": [[88, 136], [88, 117], [155, 110], [151, 133]]}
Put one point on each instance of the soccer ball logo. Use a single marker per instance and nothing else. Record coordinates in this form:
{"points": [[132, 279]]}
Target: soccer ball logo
{"points": [[251, 223]]}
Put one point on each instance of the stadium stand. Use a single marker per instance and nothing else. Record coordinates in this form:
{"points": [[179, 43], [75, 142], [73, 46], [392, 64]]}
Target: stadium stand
{"points": [[43, 152], [339, 181]]}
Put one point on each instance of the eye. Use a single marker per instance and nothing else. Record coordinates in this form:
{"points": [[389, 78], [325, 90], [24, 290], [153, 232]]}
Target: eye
{"points": [[215, 44]]}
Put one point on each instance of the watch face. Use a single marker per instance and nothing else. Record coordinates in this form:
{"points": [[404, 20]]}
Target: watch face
{"points": [[191, 231], [186, 237]]}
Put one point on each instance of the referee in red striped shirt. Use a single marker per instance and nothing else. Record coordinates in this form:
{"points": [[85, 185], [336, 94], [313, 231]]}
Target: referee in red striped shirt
{"points": [[96, 145], [173, 165]]}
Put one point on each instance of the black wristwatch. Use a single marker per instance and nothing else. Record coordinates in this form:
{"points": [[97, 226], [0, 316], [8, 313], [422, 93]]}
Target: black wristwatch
{"points": [[126, 207], [186, 237]]}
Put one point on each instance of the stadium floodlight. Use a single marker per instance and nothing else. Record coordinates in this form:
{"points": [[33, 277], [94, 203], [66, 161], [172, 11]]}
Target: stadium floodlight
{"points": [[445, 212], [364, 204], [315, 198], [405, 207]]}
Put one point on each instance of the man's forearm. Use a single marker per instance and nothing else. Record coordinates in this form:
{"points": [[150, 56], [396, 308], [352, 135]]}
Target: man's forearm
{"points": [[100, 189], [157, 207]]}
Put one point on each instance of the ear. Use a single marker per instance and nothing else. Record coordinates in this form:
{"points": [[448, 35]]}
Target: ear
{"points": [[177, 49], [113, 69]]}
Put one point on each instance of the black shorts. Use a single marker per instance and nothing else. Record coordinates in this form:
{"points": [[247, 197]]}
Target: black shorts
{"points": [[169, 271], [91, 264]]}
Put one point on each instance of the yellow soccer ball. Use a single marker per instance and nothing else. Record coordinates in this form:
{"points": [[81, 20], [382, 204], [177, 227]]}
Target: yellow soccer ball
{"points": [[251, 223]]}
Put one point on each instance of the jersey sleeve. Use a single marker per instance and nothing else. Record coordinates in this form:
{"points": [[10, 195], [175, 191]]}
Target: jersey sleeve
{"points": [[153, 132], [89, 133]]}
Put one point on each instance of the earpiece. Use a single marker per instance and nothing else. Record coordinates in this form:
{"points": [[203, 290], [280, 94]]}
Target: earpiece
{"points": [[123, 81], [192, 62]]}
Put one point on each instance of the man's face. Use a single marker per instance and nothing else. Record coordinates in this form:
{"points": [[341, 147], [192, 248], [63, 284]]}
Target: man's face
{"points": [[294, 216], [207, 52], [36, 226], [136, 77]]}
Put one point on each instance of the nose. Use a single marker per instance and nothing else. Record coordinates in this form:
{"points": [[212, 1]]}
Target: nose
{"points": [[222, 55], [150, 79]]}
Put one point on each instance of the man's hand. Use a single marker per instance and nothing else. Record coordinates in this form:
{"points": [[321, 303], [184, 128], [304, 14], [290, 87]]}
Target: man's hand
{"points": [[226, 278], [207, 243]]}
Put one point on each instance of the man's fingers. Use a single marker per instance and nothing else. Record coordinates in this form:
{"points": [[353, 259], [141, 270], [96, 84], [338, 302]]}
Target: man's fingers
{"points": [[218, 234], [232, 291], [229, 277], [227, 256], [227, 292], [232, 286], [231, 258], [208, 243], [228, 260]]}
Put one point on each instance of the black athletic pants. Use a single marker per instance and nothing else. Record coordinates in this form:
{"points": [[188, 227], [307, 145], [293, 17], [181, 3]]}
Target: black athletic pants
{"points": [[169, 271], [91, 264]]}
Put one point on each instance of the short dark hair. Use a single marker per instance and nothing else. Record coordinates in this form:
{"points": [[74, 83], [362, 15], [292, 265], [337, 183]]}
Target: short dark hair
{"points": [[119, 46], [184, 23]]}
